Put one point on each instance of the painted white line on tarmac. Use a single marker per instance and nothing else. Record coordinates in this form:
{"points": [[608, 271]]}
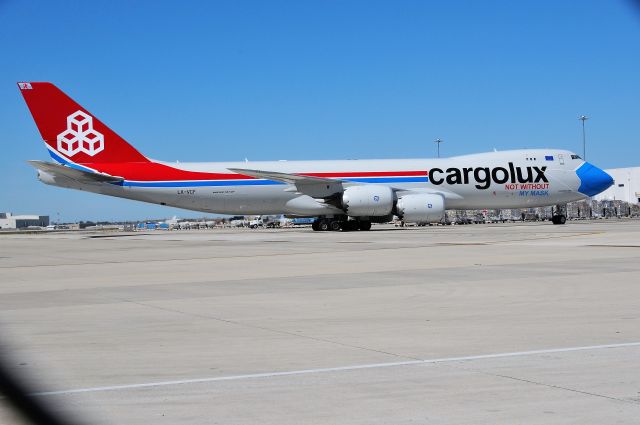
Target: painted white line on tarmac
{"points": [[335, 369]]}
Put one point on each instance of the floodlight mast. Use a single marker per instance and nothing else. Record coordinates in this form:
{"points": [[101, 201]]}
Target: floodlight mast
{"points": [[583, 118], [438, 141]]}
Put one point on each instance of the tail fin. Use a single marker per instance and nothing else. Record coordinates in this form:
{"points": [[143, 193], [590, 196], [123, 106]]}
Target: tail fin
{"points": [[72, 133]]}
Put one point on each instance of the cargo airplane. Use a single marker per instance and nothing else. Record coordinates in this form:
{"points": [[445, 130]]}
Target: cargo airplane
{"points": [[342, 194]]}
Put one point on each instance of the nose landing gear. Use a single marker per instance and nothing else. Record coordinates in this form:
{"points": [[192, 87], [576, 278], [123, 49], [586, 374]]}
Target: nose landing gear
{"points": [[559, 214]]}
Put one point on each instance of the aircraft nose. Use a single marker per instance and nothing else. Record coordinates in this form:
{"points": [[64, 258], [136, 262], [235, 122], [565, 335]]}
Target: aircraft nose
{"points": [[592, 179]]}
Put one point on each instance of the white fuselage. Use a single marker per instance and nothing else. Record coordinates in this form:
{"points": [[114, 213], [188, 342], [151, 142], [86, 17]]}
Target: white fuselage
{"points": [[465, 182]]}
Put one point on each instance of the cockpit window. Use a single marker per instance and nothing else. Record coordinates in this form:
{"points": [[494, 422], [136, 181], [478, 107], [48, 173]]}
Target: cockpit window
{"points": [[575, 157]]}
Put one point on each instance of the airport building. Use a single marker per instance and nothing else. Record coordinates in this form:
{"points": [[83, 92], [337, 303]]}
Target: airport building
{"points": [[10, 221], [626, 186]]}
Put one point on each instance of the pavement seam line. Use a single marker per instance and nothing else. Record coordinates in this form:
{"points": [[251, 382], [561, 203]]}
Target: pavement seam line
{"points": [[278, 331], [287, 254], [528, 381], [335, 369]]}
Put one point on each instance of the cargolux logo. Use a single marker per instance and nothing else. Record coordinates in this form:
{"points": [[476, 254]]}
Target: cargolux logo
{"points": [[483, 176], [80, 136]]}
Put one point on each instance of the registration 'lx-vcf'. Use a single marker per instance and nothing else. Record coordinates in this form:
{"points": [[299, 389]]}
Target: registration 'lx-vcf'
{"points": [[342, 194]]}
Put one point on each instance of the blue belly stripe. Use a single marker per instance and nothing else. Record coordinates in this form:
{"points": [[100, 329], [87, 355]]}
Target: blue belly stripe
{"points": [[204, 183], [201, 183]]}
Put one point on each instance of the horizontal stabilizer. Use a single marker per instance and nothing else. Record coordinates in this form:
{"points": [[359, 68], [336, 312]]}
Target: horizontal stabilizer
{"points": [[80, 176]]}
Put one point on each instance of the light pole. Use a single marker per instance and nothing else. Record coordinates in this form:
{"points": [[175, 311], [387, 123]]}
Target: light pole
{"points": [[583, 118], [438, 141]]}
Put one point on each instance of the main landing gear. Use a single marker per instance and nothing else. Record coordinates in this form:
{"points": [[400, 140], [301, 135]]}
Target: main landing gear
{"points": [[559, 214], [334, 224]]}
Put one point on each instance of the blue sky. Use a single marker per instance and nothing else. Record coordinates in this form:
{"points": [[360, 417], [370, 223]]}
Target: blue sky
{"points": [[221, 81]]}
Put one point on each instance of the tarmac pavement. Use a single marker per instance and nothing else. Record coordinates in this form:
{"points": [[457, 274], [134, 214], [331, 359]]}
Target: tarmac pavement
{"points": [[505, 323]]}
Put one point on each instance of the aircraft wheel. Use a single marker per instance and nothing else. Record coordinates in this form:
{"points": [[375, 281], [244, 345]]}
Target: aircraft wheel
{"points": [[364, 225], [559, 219], [349, 226], [323, 225], [335, 225], [315, 226]]}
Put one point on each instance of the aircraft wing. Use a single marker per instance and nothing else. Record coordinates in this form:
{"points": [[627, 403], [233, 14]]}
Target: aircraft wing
{"points": [[316, 187], [73, 173], [327, 189], [283, 177]]}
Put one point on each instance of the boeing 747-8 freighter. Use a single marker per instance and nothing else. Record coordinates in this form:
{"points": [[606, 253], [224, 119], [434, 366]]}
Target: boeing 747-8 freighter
{"points": [[343, 194]]}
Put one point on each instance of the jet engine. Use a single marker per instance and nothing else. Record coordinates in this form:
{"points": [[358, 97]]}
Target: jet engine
{"points": [[368, 201], [421, 208]]}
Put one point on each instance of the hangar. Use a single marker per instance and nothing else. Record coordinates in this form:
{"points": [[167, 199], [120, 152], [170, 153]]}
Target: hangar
{"points": [[10, 221], [626, 186]]}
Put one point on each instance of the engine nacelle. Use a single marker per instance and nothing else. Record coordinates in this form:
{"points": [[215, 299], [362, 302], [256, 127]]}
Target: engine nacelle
{"points": [[421, 208], [367, 201], [46, 178]]}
